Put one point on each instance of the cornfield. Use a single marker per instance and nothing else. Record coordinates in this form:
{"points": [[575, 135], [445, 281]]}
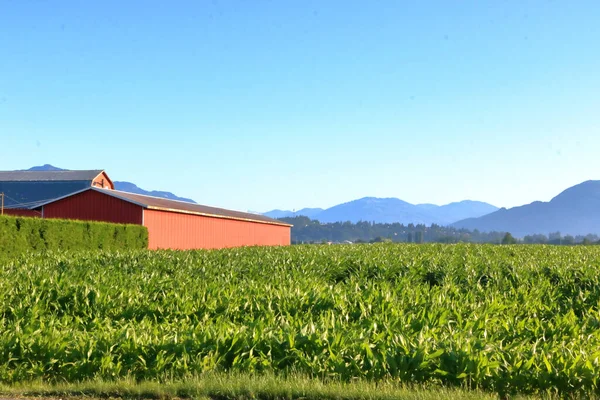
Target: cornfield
{"points": [[500, 318]]}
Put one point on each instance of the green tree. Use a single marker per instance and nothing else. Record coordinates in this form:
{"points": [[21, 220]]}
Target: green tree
{"points": [[419, 237], [555, 238], [508, 239]]}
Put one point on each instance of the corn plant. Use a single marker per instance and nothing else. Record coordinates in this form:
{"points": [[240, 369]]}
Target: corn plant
{"points": [[500, 318]]}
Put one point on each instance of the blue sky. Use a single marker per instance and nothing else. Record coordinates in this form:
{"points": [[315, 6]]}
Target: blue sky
{"points": [[255, 105]]}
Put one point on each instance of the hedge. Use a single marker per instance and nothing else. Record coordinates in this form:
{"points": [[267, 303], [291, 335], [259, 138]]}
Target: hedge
{"points": [[20, 234]]}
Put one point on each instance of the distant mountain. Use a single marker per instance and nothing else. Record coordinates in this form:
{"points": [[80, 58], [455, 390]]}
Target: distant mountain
{"points": [[45, 167], [427, 206], [453, 212], [123, 186], [305, 212], [133, 188], [575, 211], [389, 210], [376, 209]]}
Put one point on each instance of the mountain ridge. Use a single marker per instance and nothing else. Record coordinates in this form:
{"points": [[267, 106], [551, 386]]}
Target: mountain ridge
{"points": [[305, 212], [391, 209], [574, 211]]}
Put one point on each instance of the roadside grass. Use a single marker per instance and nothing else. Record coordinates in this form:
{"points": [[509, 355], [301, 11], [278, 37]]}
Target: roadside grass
{"points": [[231, 386], [247, 386]]}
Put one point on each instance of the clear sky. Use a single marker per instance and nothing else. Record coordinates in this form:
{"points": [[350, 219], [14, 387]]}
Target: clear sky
{"points": [[255, 105]]}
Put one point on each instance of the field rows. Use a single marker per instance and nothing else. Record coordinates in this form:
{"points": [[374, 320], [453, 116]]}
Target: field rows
{"points": [[500, 318]]}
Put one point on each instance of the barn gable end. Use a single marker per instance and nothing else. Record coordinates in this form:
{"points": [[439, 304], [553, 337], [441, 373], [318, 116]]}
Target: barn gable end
{"points": [[91, 205]]}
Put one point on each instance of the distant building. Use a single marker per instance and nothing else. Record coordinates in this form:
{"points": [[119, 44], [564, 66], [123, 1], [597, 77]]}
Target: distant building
{"points": [[172, 224], [24, 191]]}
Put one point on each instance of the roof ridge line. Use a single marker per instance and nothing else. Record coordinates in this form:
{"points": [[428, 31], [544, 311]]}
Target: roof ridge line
{"points": [[180, 201], [245, 215]]}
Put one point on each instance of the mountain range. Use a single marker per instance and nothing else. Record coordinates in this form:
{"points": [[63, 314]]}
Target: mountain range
{"points": [[575, 211], [123, 186], [388, 210], [305, 212]]}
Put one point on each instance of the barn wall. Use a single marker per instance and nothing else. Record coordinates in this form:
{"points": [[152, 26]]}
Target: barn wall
{"points": [[19, 212], [94, 206], [171, 230]]}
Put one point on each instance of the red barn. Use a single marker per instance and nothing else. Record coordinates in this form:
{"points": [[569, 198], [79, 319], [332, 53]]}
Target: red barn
{"points": [[171, 224], [23, 191]]}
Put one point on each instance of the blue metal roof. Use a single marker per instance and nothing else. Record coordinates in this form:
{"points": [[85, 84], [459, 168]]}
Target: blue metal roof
{"points": [[42, 176], [29, 189]]}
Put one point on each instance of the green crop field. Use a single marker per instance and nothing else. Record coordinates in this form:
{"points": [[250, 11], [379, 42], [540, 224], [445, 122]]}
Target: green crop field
{"points": [[502, 319]]}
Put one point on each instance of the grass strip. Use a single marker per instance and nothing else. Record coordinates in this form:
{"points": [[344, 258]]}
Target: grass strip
{"points": [[230, 386]]}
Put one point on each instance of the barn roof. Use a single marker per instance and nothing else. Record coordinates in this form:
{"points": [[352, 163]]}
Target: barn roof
{"points": [[30, 189], [162, 204], [46, 176], [158, 203]]}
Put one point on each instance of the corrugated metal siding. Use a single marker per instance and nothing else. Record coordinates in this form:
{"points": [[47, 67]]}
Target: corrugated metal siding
{"points": [[94, 206], [162, 204], [170, 230], [19, 212]]}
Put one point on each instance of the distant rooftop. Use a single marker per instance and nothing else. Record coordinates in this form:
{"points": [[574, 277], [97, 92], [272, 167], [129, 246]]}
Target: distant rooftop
{"points": [[45, 176], [28, 189]]}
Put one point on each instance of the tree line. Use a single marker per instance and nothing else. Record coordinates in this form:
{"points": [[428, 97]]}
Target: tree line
{"points": [[306, 230]]}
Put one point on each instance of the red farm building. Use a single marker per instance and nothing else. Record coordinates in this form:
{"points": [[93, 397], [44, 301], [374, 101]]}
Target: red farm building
{"points": [[171, 224], [23, 191]]}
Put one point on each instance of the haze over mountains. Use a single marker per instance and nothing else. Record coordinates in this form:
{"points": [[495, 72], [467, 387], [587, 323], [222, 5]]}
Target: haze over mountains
{"points": [[305, 212], [133, 188], [575, 211], [390, 210]]}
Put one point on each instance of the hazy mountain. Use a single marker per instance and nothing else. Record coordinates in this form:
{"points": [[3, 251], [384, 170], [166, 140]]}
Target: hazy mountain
{"points": [[305, 212], [376, 209], [453, 212], [132, 188], [427, 206], [45, 167], [576, 211], [123, 186], [388, 210]]}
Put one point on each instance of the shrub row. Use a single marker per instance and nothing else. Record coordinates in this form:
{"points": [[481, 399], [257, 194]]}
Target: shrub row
{"points": [[20, 234]]}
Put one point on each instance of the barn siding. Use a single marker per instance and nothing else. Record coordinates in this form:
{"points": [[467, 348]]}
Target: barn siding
{"points": [[94, 206], [20, 212], [171, 230]]}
